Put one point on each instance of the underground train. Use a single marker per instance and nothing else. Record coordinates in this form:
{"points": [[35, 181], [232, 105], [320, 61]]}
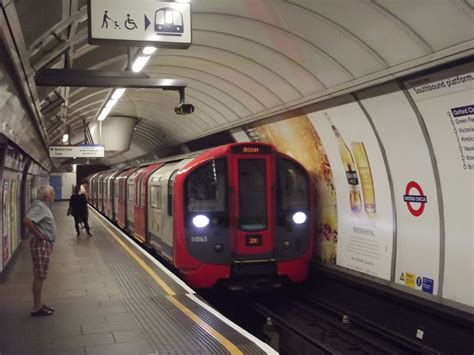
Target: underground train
{"points": [[233, 214]]}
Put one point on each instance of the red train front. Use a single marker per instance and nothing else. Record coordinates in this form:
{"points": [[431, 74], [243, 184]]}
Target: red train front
{"points": [[242, 212]]}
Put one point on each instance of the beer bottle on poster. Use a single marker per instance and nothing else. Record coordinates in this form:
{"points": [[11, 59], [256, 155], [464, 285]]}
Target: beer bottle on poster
{"points": [[365, 174], [349, 167]]}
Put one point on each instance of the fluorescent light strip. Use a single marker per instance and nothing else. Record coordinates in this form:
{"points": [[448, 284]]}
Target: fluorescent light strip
{"points": [[137, 66], [111, 103], [118, 93], [139, 63], [104, 113]]}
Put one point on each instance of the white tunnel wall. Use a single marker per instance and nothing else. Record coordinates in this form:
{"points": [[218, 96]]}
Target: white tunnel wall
{"points": [[115, 133], [15, 124]]}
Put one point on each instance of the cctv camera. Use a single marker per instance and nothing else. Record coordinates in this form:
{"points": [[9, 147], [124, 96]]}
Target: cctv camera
{"points": [[184, 109]]}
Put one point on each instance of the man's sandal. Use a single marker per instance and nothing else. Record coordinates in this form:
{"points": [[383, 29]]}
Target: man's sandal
{"points": [[48, 307], [43, 311]]}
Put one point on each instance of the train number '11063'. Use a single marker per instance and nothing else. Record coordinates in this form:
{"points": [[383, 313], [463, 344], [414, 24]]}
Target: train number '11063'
{"points": [[199, 239]]}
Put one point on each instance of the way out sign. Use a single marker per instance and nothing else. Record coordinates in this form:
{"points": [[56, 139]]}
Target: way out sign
{"points": [[140, 23], [81, 151]]}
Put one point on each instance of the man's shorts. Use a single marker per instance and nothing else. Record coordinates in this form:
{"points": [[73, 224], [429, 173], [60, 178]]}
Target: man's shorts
{"points": [[40, 251]]}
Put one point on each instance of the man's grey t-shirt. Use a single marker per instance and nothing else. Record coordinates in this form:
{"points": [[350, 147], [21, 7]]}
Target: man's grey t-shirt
{"points": [[40, 213]]}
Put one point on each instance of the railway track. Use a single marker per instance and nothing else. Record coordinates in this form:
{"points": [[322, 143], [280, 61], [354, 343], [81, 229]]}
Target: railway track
{"points": [[305, 325]]}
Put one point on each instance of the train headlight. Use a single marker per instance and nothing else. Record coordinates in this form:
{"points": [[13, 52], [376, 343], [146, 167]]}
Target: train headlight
{"points": [[299, 217], [200, 221]]}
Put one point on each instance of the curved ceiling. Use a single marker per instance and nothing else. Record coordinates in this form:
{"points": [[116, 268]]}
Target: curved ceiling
{"points": [[249, 59]]}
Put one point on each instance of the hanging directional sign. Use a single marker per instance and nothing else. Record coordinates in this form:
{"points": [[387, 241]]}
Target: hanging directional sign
{"points": [[82, 151], [140, 23]]}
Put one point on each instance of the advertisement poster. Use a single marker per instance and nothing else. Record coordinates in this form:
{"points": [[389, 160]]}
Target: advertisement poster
{"points": [[6, 223], [364, 204], [418, 243], [2, 208], [445, 101], [297, 138], [13, 216]]}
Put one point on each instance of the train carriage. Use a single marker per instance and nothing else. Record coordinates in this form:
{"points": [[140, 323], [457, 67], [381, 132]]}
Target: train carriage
{"points": [[121, 197], [101, 199], [237, 213], [242, 209], [93, 189], [109, 194], [160, 207], [137, 218]]}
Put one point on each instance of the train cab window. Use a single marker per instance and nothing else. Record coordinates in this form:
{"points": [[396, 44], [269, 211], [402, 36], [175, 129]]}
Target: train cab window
{"points": [[155, 196], [292, 186], [205, 188], [252, 196], [170, 192]]}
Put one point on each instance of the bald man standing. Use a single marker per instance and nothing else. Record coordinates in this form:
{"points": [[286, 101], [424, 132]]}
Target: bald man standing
{"points": [[39, 220]]}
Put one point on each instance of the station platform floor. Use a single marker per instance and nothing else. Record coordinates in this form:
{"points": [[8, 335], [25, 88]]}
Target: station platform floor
{"points": [[110, 297]]}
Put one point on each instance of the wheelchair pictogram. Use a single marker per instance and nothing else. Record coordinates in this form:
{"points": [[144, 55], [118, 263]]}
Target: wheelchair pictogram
{"points": [[130, 23]]}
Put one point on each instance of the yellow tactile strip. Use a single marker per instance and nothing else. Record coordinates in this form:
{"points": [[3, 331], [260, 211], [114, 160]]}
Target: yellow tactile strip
{"points": [[143, 296]]}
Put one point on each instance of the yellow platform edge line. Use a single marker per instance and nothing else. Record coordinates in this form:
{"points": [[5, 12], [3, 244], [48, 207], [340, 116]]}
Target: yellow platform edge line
{"points": [[231, 347]]}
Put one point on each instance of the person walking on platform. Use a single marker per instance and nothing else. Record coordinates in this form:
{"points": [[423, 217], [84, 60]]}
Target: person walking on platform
{"points": [[85, 191], [39, 220], [85, 188], [79, 210]]}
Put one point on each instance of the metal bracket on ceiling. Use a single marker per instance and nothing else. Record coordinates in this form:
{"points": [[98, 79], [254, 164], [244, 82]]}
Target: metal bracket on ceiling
{"points": [[99, 78], [52, 104]]}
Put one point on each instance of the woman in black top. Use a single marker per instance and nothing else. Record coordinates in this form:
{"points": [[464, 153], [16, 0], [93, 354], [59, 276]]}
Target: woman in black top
{"points": [[78, 206]]}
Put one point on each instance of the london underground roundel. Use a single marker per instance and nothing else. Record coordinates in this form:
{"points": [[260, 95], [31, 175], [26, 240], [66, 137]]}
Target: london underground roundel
{"points": [[415, 198]]}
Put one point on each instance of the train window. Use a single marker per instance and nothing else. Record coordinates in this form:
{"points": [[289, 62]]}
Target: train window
{"points": [[292, 185], [142, 193], [130, 192], [116, 189], [170, 192], [138, 191], [205, 188], [155, 196], [252, 196]]}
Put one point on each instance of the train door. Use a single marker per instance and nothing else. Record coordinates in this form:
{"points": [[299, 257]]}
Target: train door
{"points": [[139, 211], [108, 195], [130, 203], [160, 220], [251, 204], [105, 195], [115, 211], [122, 202], [167, 207], [56, 183]]}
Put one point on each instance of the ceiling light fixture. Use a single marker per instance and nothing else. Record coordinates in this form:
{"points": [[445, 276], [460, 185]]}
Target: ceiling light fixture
{"points": [[149, 50], [65, 137]]}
